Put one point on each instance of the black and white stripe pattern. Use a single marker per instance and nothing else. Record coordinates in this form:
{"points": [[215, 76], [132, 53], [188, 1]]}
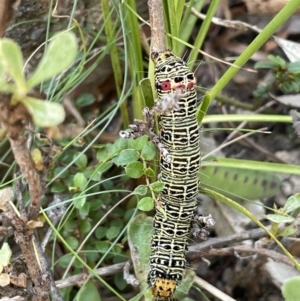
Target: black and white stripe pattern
{"points": [[179, 135]]}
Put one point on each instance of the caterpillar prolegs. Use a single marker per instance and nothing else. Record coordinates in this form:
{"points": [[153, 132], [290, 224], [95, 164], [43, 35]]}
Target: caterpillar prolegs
{"points": [[179, 144]]}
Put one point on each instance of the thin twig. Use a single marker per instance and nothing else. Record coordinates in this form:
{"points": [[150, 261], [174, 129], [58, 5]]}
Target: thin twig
{"points": [[221, 241], [212, 289], [248, 249], [158, 43]]}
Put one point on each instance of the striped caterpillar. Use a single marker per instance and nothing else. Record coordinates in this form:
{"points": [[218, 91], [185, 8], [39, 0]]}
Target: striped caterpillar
{"points": [[179, 133], [179, 146]]}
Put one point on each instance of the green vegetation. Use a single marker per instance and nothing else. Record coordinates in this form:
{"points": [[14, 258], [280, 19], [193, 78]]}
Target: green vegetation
{"points": [[105, 184]]}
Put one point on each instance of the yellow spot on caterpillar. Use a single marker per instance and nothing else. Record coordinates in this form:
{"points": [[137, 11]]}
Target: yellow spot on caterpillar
{"points": [[164, 288]]}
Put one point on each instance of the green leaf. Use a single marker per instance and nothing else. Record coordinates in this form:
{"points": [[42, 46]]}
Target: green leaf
{"points": [[85, 99], [80, 181], [287, 231], [100, 232], [5, 254], [147, 92], [297, 79], [149, 172], [140, 190], [85, 209], [277, 59], [138, 143], [119, 281], [89, 291], [4, 85], [185, 285], [287, 87], [112, 232], [239, 183], [104, 153], [11, 54], [72, 242], [70, 226], [126, 156], [279, 218], [295, 86], [290, 288], [157, 186], [265, 65], [119, 145], [292, 203], [134, 170], [64, 172], [59, 55], [85, 226], [81, 161], [146, 204], [79, 201], [139, 236], [58, 187], [102, 246], [294, 67], [149, 151], [104, 167], [44, 113]]}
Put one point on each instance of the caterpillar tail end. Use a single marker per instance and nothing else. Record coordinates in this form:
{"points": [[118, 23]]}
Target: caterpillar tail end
{"points": [[164, 288]]}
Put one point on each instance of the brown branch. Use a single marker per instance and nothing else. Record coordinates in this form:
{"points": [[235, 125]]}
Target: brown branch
{"points": [[221, 241], [7, 9], [24, 237], [158, 43], [247, 249], [206, 247], [14, 119], [74, 280]]}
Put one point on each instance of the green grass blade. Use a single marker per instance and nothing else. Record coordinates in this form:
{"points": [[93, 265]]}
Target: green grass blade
{"points": [[114, 55], [188, 23], [134, 55], [254, 165], [246, 117], [202, 32], [238, 183]]}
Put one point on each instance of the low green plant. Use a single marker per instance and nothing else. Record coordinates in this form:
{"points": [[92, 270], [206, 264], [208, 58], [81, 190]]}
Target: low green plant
{"points": [[290, 289], [285, 76], [59, 55]]}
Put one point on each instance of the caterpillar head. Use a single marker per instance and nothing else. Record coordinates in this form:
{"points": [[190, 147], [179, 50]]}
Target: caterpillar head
{"points": [[158, 57], [164, 288]]}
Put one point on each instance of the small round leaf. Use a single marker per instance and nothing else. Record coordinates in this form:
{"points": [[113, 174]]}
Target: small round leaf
{"points": [[11, 54], [44, 113], [146, 204], [134, 170], [149, 151], [59, 55], [140, 190]]}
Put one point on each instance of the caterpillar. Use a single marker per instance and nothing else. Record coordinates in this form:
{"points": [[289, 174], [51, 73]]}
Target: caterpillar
{"points": [[179, 145], [179, 133]]}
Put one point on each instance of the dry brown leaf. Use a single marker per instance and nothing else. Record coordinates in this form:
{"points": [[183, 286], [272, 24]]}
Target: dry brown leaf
{"points": [[265, 7], [35, 224], [6, 195], [4, 279], [288, 100]]}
